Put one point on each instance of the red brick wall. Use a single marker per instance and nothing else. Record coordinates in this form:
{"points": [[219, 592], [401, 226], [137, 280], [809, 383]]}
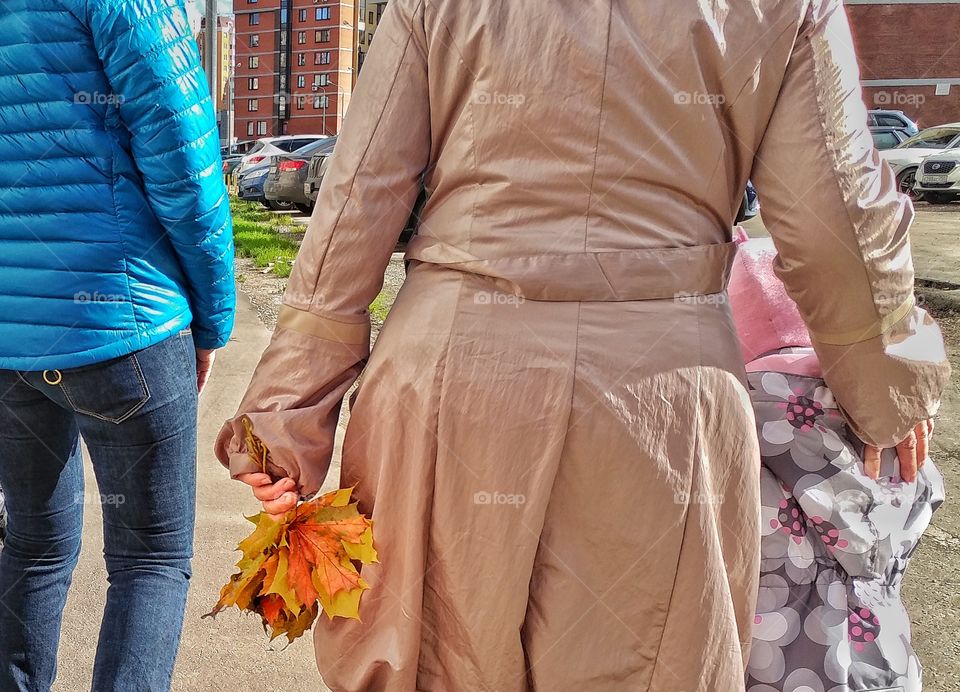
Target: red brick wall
{"points": [[910, 41], [266, 72], [310, 120]]}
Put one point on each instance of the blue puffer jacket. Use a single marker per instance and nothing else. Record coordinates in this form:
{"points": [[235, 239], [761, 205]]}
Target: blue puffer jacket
{"points": [[115, 226]]}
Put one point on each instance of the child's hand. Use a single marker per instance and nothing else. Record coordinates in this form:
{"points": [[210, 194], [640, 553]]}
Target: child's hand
{"points": [[912, 453]]}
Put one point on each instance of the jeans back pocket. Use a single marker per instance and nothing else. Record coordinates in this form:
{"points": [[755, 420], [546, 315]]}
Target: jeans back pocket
{"points": [[111, 391]]}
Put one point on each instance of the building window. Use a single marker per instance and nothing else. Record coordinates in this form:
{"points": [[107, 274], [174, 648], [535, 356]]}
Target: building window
{"points": [[323, 57], [303, 15], [262, 127], [251, 2], [300, 101], [253, 83], [372, 20], [250, 129], [322, 36], [301, 58], [254, 40], [323, 13], [254, 18], [369, 39], [253, 105], [301, 37], [301, 81], [321, 79], [321, 101], [254, 61]]}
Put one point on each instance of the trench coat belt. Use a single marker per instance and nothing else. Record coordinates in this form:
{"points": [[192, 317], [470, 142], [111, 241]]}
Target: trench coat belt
{"points": [[609, 276]]}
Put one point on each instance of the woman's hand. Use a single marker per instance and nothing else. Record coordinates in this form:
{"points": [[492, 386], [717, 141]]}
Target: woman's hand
{"points": [[278, 497], [912, 453]]}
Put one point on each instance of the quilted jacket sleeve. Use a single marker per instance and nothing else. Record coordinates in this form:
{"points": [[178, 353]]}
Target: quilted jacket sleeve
{"points": [[152, 62], [842, 232], [323, 331]]}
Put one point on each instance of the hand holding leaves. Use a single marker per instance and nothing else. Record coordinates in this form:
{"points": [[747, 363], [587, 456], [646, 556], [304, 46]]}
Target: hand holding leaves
{"points": [[301, 561]]}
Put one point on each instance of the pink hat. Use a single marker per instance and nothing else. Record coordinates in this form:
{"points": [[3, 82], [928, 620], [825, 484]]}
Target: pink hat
{"points": [[766, 317]]}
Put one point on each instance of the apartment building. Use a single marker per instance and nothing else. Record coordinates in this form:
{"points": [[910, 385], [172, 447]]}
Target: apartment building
{"points": [[910, 56], [295, 65], [224, 68], [370, 15]]}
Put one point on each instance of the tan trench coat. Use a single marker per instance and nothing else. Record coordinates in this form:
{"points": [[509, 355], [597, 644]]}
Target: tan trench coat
{"points": [[552, 433]]}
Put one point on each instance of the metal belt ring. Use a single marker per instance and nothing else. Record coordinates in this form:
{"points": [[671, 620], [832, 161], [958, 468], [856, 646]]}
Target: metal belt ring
{"points": [[52, 377]]}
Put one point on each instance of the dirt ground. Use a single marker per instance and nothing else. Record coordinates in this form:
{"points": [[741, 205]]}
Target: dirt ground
{"points": [[932, 584]]}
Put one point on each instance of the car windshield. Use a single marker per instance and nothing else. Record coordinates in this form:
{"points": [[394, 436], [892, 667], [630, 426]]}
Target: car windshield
{"points": [[885, 140], [289, 145], [321, 146], [934, 138]]}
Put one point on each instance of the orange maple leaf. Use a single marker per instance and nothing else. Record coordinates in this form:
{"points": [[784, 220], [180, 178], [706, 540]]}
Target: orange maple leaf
{"points": [[293, 568]]}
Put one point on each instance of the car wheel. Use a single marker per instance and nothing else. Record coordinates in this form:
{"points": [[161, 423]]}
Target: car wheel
{"points": [[906, 181], [277, 205], [266, 204], [938, 197], [304, 208]]}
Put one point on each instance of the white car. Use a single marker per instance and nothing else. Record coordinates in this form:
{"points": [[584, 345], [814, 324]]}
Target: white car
{"points": [[271, 146], [906, 158], [938, 178]]}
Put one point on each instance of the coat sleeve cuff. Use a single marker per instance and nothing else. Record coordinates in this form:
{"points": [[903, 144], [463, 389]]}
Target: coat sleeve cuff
{"points": [[294, 400], [890, 382]]}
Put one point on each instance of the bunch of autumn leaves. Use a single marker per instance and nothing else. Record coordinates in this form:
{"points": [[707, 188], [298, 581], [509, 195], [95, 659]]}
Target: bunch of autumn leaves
{"points": [[307, 561]]}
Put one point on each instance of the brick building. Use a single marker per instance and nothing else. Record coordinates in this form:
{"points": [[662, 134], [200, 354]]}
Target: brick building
{"points": [[295, 65], [910, 56]]}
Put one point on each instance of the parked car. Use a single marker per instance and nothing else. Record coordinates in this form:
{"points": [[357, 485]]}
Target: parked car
{"points": [[271, 146], [288, 174], [906, 158], [233, 154], [898, 119], [750, 206], [888, 137], [250, 187], [315, 171], [938, 177]]}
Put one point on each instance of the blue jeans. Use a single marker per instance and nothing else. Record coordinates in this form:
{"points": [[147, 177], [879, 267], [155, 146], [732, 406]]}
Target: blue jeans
{"points": [[138, 417]]}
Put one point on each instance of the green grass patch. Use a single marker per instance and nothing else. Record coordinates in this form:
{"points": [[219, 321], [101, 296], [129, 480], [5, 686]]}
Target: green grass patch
{"points": [[380, 308], [261, 243]]}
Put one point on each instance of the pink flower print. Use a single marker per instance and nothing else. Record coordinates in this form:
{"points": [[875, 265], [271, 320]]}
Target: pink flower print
{"points": [[829, 534], [802, 412], [864, 628], [790, 520]]}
